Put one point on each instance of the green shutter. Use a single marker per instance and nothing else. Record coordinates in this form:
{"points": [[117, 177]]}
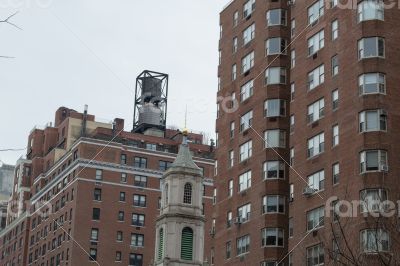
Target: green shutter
{"points": [[187, 244], [161, 245]]}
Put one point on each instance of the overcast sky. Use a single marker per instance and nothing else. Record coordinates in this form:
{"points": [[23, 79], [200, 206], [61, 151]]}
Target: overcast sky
{"points": [[77, 52]]}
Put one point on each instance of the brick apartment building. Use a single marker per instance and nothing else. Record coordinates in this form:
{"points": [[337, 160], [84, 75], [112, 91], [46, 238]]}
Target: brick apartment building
{"points": [[101, 189], [318, 81]]}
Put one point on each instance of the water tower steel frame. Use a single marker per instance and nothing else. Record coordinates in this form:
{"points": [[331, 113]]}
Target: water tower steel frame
{"points": [[161, 102]]}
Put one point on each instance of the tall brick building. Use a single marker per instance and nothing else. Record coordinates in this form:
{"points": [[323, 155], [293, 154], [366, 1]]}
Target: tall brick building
{"points": [[88, 193], [318, 81]]}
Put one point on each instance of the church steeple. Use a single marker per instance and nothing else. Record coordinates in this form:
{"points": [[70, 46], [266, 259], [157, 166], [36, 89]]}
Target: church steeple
{"points": [[180, 226]]}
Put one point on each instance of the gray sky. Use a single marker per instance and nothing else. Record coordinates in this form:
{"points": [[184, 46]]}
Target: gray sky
{"points": [[77, 52]]}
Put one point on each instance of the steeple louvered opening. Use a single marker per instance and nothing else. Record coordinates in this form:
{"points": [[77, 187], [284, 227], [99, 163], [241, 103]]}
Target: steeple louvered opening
{"points": [[187, 244], [160, 244]]}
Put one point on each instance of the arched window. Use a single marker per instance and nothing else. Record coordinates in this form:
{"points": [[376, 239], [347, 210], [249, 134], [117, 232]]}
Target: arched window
{"points": [[187, 194], [187, 244], [160, 244], [166, 194]]}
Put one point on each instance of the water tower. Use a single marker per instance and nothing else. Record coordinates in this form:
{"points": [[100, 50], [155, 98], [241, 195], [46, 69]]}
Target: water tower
{"points": [[151, 92]]}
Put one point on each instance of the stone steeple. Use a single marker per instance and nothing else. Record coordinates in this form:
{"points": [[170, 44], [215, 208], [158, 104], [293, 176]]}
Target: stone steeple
{"points": [[180, 226]]}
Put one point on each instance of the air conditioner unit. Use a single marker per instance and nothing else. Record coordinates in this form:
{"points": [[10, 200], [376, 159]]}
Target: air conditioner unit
{"points": [[238, 220], [384, 168], [307, 191]]}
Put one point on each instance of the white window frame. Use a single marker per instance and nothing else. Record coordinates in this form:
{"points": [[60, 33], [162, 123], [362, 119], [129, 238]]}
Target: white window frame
{"points": [[275, 108], [373, 200], [381, 163], [282, 17], [372, 240], [380, 120], [363, 14], [277, 233], [315, 11], [316, 111], [316, 77], [246, 90], [361, 49], [315, 218], [246, 150], [245, 181], [247, 62], [275, 138], [246, 121], [380, 81], [281, 42], [316, 181], [316, 42], [316, 145], [275, 76], [273, 204], [249, 34], [276, 168]]}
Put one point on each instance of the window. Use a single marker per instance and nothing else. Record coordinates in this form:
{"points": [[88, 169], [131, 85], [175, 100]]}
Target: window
{"points": [[315, 11], [245, 181], [94, 235], [244, 213], [247, 62], [121, 216], [138, 219], [137, 240], [335, 65], [135, 259], [275, 75], [275, 46], [291, 124], [316, 181], [122, 196], [315, 218], [275, 107], [316, 42], [370, 10], [140, 181], [123, 158], [275, 138], [140, 162], [291, 229], [316, 111], [242, 245], [235, 18], [234, 72], [316, 145], [187, 194], [229, 219], [273, 204], [118, 256], [228, 250], [335, 135], [372, 120], [230, 188], [372, 83], [274, 170], [97, 194], [276, 17], [335, 173], [335, 99], [292, 28], [246, 121], [315, 255], [234, 45], [246, 151], [214, 196], [232, 129], [248, 8], [123, 177], [272, 237], [119, 236], [373, 200], [373, 160], [291, 159], [316, 77], [335, 29], [99, 174], [92, 254], [374, 240], [139, 200], [187, 244], [246, 90], [292, 91], [96, 214], [231, 158], [371, 47], [151, 146], [248, 33], [292, 58], [334, 3], [163, 165]]}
